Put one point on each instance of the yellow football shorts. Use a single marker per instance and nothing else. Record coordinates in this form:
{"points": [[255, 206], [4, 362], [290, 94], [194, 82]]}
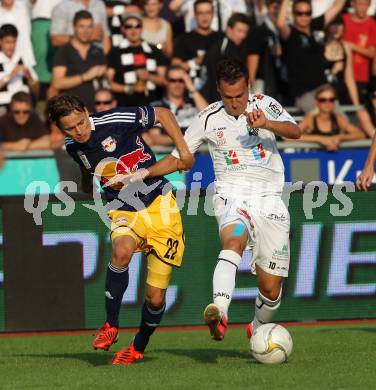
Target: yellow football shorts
{"points": [[158, 231]]}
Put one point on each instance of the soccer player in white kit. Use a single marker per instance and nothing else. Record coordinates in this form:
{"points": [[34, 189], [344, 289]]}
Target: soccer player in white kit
{"points": [[240, 131]]}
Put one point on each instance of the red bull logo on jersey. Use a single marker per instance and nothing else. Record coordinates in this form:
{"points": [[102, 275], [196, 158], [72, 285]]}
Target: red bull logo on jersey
{"points": [[113, 171], [109, 144], [129, 162]]}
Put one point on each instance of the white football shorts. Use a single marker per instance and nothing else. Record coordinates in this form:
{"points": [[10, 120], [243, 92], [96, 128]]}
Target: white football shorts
{"points": [[267, 221]]}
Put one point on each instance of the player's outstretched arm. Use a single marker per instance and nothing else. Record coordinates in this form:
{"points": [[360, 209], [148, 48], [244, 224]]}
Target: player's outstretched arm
{"points": [[168, 121], [364, 180], [166, 165]]}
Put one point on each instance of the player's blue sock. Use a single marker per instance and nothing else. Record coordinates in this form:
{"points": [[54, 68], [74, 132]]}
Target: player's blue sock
{"points": [[150, 320], [116, 283]]}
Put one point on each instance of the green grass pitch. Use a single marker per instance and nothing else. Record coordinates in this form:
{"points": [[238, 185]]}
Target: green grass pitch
{"points": [[324, 357]]}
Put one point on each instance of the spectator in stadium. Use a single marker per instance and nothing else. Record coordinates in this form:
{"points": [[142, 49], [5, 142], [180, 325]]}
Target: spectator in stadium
{"points": [[232, 45], [327, 127], [221, 13], [16, 73], [339, 72], [371, 103], [104, 100], [190, 48], [40, 36], [79, 65], [21, 128], [303, 49], [136, 68], [115, 10], [62, 22], [182, 99], [265, 53], [360, 36], [16, 13], [156, 30]]}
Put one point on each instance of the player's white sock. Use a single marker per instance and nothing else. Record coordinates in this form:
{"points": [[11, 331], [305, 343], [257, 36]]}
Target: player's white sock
{"points": [[265, 309], [224, 278]]}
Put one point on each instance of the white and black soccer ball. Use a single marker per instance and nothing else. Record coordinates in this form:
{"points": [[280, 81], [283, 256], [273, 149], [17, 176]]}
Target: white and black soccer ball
{"points": [[271, 344]]}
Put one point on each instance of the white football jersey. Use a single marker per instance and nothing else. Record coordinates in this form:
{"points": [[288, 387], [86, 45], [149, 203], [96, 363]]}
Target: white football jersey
{"points": [[246, 160]]}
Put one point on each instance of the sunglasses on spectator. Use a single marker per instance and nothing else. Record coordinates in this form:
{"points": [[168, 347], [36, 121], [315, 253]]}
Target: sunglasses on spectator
{"points": [[303, 13], [132, 26], [171, 80], [23, 112], [99, 102], [326, 100]]}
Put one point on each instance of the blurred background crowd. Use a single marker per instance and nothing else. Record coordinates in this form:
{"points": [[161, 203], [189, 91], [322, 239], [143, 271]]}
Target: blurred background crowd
{"points": [[318, 57]]}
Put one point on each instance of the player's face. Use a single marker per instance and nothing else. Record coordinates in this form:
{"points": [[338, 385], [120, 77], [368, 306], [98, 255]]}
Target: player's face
{"points": [[234, 96], [8, 46], [204, 15], [77, 126], [83, 30]]}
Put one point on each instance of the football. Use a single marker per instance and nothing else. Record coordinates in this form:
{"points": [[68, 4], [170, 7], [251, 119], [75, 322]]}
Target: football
{"points": [[271, 344]]}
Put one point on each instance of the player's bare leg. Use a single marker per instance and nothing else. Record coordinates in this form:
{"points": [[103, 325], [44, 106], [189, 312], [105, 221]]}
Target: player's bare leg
{"points": [[234, 239], [268, 299], [116, 284]]}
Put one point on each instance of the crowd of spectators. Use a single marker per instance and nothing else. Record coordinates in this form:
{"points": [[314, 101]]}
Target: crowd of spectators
{"points": [[317, 55]]}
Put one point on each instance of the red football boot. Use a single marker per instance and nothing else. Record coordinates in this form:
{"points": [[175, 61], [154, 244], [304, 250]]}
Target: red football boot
{"points": [[106, 337], [216, 321], [249, 330], [127, 356]]}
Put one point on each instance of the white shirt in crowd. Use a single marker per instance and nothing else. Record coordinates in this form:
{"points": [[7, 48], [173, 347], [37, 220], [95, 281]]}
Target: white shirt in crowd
{"points": [[246, 160], [42, 9], [19, 17], [17, 83]]}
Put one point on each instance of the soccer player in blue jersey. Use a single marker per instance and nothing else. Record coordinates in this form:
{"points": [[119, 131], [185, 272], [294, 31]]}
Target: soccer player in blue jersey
{"points": [[109, 145]]}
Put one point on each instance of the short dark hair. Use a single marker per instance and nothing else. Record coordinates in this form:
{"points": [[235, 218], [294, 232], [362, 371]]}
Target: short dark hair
{"points": [[63, 105], [21, 97], [296, 2], [238, 17], [8, 30], [81, 15], [231, 70], [198, 2]]}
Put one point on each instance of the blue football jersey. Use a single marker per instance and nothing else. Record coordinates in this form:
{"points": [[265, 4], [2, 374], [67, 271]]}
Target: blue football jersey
{"points": [[116, 147]]}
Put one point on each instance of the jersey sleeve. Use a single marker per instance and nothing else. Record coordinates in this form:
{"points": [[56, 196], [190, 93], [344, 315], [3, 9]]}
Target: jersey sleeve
{"points": [[145, 117], [274, 111], [194, 136]]}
